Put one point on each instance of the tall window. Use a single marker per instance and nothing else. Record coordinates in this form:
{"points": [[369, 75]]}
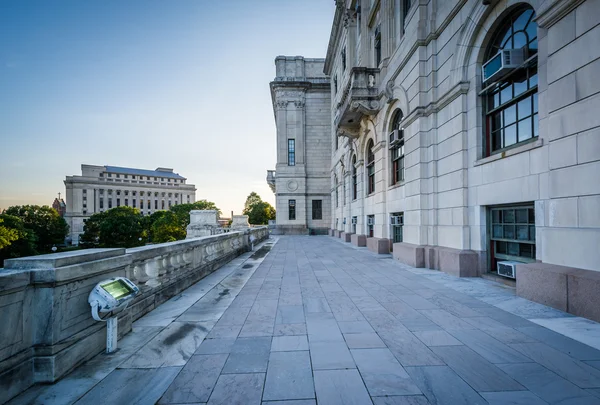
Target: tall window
{"points": [[513, 233], [397, 147], [344, 59], [370, 168], [397, 222], [292, 210], [317, 209], [354, 179], [101, 203], [511, 103], [354, 221], [335, 186], [377, 46], [291, 152], [370, 225], [405, 9]]}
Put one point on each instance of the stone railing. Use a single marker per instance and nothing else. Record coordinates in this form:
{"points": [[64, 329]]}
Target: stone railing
{"points": [[46, 325]]}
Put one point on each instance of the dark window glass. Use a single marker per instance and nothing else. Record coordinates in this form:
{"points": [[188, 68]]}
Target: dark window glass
{"points": [[397, 221], [370, 225], [370, 168], [292, 210], [317, 209], [354, 179], [291, 152], [377, 44], [513, 233], [405, 9], [397, 150]]}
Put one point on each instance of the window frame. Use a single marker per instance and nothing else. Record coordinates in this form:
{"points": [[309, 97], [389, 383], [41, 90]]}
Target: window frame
{"points": [[495, 241], [397, 151], [317, 210], [291, 210], [291, 152], [370, 165], [354, 179]]}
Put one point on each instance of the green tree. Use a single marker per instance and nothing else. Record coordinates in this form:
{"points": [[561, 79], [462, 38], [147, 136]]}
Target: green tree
{"points": [[259, 212], [118, 227], [7, 235], [49, 227], [166, 228], [182, 211], [25, 242]]}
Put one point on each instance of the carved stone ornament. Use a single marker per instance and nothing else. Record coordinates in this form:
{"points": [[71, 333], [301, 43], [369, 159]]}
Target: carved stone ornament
{"points": [[349, 18], [292, 185], [281, 104], [299, 103], [350, 134], [389, 91], [367, 107]]}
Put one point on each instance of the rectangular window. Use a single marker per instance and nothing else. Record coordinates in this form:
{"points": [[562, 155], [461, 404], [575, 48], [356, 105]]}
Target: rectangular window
{"points": [[370, 225], [291, 152], [109, 203], [101, 201], [134, 203], [397, 222], [163, 204], [317, 209], [118, 176], [398, 160], [354, 221], [512, 234], [118, 202], [292, 210], [148, 206], [155, 204], [405, 9], [377, 45], [127, 202]]}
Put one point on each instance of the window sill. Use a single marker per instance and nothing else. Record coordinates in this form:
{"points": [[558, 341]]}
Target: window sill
{"points": [[398, 184], [510, 152]]}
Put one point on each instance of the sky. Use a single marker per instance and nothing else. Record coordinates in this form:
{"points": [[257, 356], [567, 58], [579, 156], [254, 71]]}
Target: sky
{"points": [[181, 84]]}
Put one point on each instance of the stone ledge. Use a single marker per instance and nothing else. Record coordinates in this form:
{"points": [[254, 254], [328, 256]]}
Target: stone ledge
{"points": [[460, 263], [407, 253], [337, 234], [378, 245], [346, 236], [358, 240], [565, 288]]}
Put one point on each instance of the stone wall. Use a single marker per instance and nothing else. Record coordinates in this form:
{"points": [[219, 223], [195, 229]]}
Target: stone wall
{"points": [[47, 327]]}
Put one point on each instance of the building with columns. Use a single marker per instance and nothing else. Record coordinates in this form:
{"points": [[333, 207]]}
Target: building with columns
{"points": [[100, 188], [464, 139], [300, 181]]}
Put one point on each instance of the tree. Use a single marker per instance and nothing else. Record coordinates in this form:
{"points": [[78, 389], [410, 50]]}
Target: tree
{"points": [[25, 242], [165, 228], [118, 227], [7, 235], [259, 212], [182, 211], [49, 227]]}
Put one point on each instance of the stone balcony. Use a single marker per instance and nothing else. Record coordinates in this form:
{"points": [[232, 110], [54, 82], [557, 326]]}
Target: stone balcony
{"points": [[271, 179], [359, 98]]}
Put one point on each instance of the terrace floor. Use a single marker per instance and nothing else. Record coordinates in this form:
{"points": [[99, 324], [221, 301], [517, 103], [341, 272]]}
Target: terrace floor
{"points": [[318, 321]]}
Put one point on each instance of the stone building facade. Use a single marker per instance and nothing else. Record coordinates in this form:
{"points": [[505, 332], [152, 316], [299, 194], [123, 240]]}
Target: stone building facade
{"points": [[301, 104], [464, 134], [100, 188]]}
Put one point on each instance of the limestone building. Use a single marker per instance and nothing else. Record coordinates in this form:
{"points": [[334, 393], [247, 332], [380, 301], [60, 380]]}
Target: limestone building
{"points": [[301, 104], [464, 135], [100, 188]]}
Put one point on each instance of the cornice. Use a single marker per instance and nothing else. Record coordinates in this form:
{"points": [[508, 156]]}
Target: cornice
{"points": [[554, 12]]}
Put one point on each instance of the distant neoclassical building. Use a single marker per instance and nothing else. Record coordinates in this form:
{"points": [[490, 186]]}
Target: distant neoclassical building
{"points": [[100, 188], [464, 136]]}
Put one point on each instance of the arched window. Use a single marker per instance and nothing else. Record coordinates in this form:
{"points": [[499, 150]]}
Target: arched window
{"points": [[396, 140], [370, 168], [511, 103], [354, 179]]}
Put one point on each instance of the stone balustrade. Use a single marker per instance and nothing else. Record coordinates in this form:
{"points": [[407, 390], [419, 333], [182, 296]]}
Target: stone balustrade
{"points": [[47, 328]]}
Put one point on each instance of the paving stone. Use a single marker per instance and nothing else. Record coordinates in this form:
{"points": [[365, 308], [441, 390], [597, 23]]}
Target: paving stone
{"points": [[196, 381], [131, 386], [286, 298], [508, 319], [216, 346], [419, 324], [248, 355], [452, 306], [573, 370], [289, 376], [263, 310], [238, 389], [401, 400], [367, 303], [286, 329], [355, 327], [312, 305], [292, 402], [409, 350], [323, 330], [234, 316], [417, 302], [595, 364], [445, 319], [382, 373], [224, 331], [475, 370], [562, 343], [290, 314], [335, 387], [363, 341], [383, 320], [442, 386], [344, 309], [437, 338], [330, 355], [488, 347], [513, 398], [547, 385], [257, 328], [289, 343]]}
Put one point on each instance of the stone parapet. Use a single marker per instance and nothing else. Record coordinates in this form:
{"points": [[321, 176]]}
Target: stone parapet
{"points": [[358, 240], [413, 255], [568, 289], [47, 327], [378, 245]]}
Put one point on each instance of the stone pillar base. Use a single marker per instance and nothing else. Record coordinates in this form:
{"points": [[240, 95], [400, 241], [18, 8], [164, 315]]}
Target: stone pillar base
{"points": [[378, 245], [413, 255], [358, 240], [565, 288], [331, 232], [337, 233], [346, 236]]}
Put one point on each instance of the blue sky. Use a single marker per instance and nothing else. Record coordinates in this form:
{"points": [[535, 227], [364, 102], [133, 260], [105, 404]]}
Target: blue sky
{"points": [[181, 84]]}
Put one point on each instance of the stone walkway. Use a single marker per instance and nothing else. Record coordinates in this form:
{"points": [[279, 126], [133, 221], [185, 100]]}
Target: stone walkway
{"points": [[318, 321]]}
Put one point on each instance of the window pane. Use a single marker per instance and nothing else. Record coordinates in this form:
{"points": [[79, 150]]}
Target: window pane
{"points": [[533, 80], [497, 231], [524, 108], [532, 232], [535, 103], [536, 132], [525, 130], [533, 47], [509, 232], [497, 121], [501, 247], [510, 115], [531, 216], [513, 249], [495, 216], [506, 94], [522, 20], [520, 40], [509, 216], [526, 250], [510, 135], [523, 232], [520, 84], [521, 215]]}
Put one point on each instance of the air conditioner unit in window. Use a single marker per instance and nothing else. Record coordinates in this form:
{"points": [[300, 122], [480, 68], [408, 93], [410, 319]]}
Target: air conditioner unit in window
{"points": [[354, 220], [370, 221], [503, 62], [507, 269], [396, 220], [395, 137]]}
